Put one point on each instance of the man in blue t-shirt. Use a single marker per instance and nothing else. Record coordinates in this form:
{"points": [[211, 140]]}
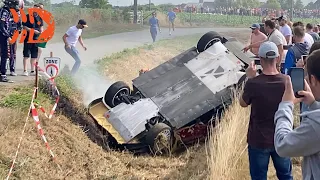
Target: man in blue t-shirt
{"points": [[154, 25], [171, 16]]}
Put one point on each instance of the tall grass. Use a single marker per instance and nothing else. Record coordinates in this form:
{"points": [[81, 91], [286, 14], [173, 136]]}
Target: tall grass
{"points": [[227, 144]]}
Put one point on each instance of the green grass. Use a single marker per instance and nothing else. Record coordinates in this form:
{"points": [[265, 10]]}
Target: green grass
{"points": [[20, 98]]}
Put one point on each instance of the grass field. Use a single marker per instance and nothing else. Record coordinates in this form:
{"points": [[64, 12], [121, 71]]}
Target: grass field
{"points": [[74, 139]]}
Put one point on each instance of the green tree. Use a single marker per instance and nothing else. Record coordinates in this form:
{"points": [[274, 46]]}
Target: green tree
{"points": [[298, 4], [273, 4], [97, 4]]}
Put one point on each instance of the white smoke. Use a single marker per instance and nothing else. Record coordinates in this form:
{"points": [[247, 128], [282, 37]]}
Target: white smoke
{"points": [[92, 84]]}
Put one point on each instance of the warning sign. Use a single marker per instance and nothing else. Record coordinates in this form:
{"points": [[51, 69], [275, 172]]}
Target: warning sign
{"points": [[52, 65]]}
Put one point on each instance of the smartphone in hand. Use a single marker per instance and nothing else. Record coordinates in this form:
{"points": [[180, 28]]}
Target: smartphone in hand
{"points": [[304, 58], [297, 79]]}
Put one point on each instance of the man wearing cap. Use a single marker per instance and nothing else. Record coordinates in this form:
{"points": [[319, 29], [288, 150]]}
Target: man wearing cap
{"points": [[285, 29], [257, 37], [70, 39], [264, 93]]}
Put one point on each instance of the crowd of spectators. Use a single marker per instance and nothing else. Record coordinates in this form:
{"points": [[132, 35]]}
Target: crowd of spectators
{"points": [[270, 94]]}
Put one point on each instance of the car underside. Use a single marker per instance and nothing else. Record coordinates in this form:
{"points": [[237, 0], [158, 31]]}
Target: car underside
{"points": [[176, 102]]}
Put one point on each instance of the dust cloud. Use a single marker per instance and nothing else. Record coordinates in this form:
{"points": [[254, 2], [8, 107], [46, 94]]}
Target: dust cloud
{"points": [[91, 83]]}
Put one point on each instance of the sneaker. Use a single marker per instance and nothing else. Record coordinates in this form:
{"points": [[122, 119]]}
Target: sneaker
{"points": [[4, 78], [13, 74], [33, 73], [25, 73], [170, 33]]}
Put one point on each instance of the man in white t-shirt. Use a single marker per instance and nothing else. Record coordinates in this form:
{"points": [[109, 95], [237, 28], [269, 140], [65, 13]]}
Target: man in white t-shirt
{"points": [[285, 29], [275, 36], [70, 39]]}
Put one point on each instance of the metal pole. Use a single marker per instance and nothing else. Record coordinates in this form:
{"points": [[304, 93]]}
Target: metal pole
{"points": [[149, 5], [135, 13]]}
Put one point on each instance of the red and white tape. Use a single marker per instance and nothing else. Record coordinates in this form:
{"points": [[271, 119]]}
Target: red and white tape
{"points": [[51, 79], [35, 116], [22, 133]]}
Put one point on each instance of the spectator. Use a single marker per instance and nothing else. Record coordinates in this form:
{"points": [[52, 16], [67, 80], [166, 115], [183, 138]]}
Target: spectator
{"points": [[263, 93], [41, 6], [303, 140], [297, 50], [285, 29], [15, 26], [70, 39], [31, 49], [154, 25], [276, 37], [309, 30], [316, 29], [315, 46], [290, 24], [307, 38], [171, 16], [5, 34], [257, 37]]}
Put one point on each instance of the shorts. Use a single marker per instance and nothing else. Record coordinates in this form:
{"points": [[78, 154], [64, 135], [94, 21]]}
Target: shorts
{"points": [[30, 49]]}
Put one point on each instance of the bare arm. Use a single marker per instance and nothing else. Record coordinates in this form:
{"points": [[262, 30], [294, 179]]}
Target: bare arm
{"points": [[64, 38], [81, 41], [243, 103], [288, 39], [280, 49]]}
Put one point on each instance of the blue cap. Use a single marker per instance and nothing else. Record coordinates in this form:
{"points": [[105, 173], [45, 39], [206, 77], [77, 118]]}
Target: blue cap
{"points": [[268, 50], [255, 25]]}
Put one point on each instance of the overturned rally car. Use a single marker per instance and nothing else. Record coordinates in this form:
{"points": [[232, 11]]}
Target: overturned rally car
{"points": [[175, 102]]}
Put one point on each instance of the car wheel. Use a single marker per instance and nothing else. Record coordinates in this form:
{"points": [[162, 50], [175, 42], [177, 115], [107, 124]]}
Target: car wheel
{"points": [[113, 95], [208, 40], [159, 138], [241, 81]]}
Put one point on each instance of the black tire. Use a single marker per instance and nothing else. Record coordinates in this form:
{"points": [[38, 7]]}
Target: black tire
{"points": [[208, 40], [153, 135], [242, 80], [110, 98]]}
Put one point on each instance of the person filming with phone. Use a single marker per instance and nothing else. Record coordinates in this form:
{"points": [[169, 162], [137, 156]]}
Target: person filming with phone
{"points": [[304, 140], [263, 93]]}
